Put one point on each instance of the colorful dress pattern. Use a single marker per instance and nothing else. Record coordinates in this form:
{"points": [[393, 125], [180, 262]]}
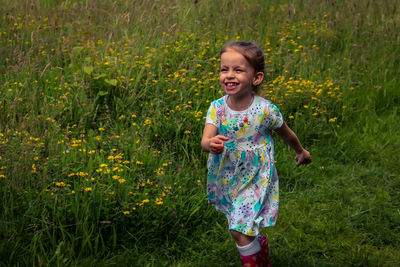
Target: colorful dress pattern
{"points": [[242, 181]]}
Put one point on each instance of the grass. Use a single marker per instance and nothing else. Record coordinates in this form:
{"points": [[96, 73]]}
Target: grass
{"points": [[102, 106]]}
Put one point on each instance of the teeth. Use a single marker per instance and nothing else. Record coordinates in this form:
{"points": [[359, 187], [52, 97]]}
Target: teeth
{"points": [[231, 84]]}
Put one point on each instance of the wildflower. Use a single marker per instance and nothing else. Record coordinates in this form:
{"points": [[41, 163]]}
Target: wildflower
{"points": [[2, 176], [121, 181], [333, 119], [88, 189], [33, 168], [60, 184], [126, 212], [187, 132]]}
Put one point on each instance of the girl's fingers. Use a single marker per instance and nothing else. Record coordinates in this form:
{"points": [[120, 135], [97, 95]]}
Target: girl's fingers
{"points": [[223, 138]]}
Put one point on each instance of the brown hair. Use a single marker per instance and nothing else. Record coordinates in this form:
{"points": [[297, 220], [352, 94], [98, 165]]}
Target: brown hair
{"points": [[251, 52]]}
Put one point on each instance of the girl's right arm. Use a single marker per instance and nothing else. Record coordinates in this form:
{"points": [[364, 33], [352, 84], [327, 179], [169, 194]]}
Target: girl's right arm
{"points": [[211, 142]]}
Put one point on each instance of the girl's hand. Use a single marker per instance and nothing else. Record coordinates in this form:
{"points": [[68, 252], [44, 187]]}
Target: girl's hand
{"points": [[303, 157], [217, 144]]}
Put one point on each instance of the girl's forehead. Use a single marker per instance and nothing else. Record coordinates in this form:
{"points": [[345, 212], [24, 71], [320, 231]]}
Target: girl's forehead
{"points": [[233, 57]]}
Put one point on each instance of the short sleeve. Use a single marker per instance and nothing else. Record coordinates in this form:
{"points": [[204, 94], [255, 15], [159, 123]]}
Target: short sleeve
{"points": [[274, 116], [212, 117]]}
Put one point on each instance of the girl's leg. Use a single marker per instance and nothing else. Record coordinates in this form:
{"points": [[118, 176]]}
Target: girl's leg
{"points": [[249, 248], [241, 239]]}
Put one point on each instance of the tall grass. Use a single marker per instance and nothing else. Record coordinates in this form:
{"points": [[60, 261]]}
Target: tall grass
{"points": [[102, 106]]}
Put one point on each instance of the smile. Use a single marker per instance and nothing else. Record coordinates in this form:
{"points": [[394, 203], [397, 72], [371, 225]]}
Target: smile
{"points": [[231, 84]]}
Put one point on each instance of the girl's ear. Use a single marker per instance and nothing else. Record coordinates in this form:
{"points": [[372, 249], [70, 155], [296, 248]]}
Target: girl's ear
{"points": [[258, 78]]}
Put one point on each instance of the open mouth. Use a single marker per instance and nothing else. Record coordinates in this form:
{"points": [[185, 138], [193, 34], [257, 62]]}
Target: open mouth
{"points": [[230, 85]]}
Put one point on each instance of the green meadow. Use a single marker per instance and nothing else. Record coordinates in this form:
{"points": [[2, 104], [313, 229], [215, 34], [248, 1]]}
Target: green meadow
{"points": [[102, 107]]}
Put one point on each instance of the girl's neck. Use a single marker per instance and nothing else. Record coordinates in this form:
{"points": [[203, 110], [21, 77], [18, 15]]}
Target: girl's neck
{"points": [[240, 103]]}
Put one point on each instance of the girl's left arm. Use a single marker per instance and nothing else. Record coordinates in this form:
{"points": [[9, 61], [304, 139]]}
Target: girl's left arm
{"points": [[290, 138]]}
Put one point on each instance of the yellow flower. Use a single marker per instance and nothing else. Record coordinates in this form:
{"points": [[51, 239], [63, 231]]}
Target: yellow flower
{"points": [[187, 132], [121, 181], [33, 168], [126, 212], [88, 189], [60, 184]]}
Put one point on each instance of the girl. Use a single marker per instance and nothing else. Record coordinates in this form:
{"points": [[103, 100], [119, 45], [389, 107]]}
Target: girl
{"points": [[242, 180]]}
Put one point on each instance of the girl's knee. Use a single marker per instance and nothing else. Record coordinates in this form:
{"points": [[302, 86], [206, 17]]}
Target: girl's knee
{"points": [[241, 239]]}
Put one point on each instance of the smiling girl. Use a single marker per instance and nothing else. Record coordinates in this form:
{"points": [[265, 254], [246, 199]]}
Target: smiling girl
{"points": [[242, 180]]}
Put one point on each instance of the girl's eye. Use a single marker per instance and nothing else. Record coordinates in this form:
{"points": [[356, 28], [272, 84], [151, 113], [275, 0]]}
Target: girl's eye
{"points": [[223, 70], [239, 70]]}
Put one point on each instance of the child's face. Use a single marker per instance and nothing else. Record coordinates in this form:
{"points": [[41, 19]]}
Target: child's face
{"points": [[237, 77]]}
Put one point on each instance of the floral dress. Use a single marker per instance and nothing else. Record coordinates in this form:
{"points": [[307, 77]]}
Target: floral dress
{"points": [[242, 181]]}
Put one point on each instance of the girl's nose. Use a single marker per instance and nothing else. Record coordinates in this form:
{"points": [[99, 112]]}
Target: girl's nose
{"points": [[231, 74]]}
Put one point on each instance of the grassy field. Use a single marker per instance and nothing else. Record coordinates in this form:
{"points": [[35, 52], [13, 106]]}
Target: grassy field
{"points": [[102, 106]]}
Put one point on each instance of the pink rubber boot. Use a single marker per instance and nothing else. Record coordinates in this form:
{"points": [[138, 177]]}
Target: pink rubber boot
{"points": [[255, 260], [264, 251]]}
